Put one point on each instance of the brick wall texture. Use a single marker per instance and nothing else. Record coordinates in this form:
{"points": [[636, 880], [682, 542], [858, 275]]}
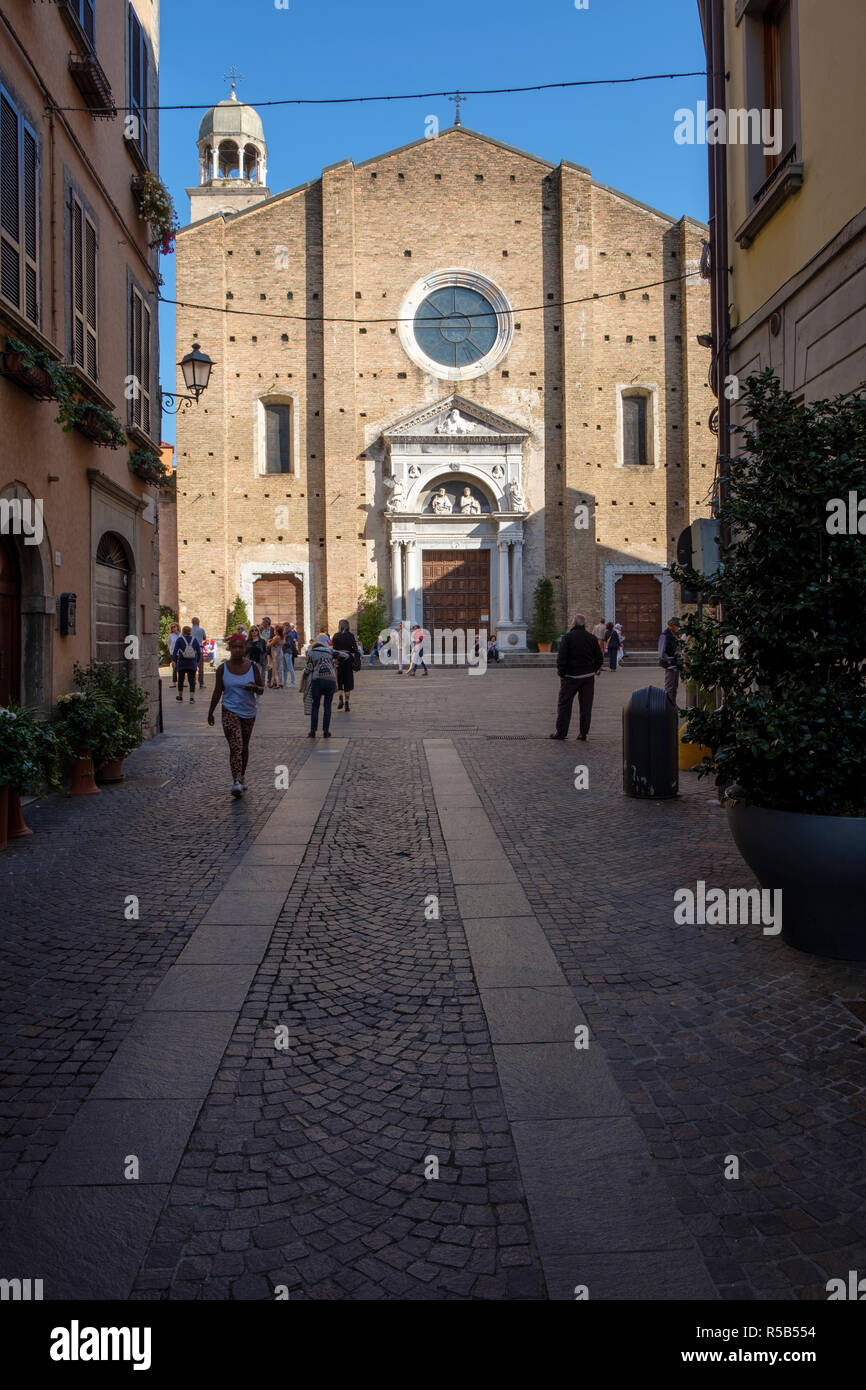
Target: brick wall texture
{"points": [[335, 258]]}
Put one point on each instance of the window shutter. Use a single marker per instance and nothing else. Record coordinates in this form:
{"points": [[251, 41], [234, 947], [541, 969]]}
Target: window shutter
{"points": [[31, 228], [90, 297], [10, 251], [139, 79], [145, 369]]}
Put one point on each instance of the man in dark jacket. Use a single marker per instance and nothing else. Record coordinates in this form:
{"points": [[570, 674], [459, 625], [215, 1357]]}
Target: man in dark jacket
{"points": [[578, 662]]}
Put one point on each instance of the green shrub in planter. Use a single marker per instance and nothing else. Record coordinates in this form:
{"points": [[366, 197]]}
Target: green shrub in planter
{"points": [[545, 627], [126, 698], [88, 722], [29, 751], [788, 654]]}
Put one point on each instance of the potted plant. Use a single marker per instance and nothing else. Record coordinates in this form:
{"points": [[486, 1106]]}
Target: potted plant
{"points": [[787, 742], [130, 706], [148, 466], [28, 759], [31, 368], [89, 728], [544, 625], [156, 207], [91, 420]]}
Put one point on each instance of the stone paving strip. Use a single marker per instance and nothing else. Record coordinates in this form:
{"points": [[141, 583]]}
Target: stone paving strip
{"points": [[602, 1216], [86, 1221]]}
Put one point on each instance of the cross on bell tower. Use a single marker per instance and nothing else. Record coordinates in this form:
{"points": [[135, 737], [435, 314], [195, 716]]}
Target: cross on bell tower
{"points": [[234, 77], [458, 98]]}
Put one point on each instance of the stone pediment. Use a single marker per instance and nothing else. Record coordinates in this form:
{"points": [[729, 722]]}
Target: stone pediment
{"points": [[455, 420]]}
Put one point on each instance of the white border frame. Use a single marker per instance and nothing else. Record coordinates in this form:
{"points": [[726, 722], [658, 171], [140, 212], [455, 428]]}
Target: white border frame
{"points": [[613, 572], [443, 279], [289, 398], [250, 571]]}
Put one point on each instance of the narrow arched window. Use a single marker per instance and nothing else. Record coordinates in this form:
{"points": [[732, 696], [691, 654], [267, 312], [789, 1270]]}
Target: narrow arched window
{"points": [[635, 421], [278, 438]]}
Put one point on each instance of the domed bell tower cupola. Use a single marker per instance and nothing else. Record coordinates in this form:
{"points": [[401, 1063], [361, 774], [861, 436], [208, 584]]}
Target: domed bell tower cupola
{"points": [[233, 160]]}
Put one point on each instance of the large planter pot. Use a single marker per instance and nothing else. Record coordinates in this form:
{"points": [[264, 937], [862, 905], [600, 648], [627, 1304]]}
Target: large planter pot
{"points": [[544, 646], [17, 826], [111, 771], [83, 783], [819, 863], [4, 813]]}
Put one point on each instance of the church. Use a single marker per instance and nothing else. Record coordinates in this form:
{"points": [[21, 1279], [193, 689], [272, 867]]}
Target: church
{"points": [[448, 371]]}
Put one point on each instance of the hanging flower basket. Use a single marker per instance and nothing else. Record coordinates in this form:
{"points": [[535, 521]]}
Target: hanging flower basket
{"points": [[156, 207], [93, 421], [31, 377]]}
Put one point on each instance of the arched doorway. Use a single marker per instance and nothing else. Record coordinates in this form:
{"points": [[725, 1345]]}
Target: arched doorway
{"points": [[280, 597], [10, 624], [111, 595]]}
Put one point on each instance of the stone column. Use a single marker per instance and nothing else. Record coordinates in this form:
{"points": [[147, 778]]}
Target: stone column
{"points": [[397, 581], [517, 581], [414, 604], [215, 162], [240, 160], [504, 609]]}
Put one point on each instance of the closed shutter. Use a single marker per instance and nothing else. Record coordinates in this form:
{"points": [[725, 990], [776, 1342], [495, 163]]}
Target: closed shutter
{"points": [[634, 429], [84, 277], [139, 80], [139, 359], [31, 230], [10, 249]]}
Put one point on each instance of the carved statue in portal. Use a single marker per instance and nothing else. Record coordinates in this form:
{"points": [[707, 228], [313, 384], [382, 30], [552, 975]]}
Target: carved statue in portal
{"points": [[469, 505], [498, 472], [397, 500], [442, 504], [455, 423], [516, 497]]}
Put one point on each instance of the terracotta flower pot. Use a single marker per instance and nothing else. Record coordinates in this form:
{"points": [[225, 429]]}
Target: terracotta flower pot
{"points": [[4, 811], [544, 646], [83, 782], [33, 379], [17, 827], [110, 771]]}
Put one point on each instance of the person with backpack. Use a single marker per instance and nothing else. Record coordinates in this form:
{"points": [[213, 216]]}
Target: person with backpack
{"points": [[320, 674], [266, 632], [172, 641], [187, 655], [345, 641], [238, 684], [200, 636]]}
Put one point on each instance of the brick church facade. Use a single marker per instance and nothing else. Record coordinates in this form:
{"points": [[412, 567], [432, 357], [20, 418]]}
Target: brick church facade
{"points": [[456, 371]]}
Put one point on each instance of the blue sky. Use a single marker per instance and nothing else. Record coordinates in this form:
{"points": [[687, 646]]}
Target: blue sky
{"points": [[317, 48]]}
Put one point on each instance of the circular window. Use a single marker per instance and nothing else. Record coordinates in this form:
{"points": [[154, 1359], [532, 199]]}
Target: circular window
{"points": [[455, 324]]}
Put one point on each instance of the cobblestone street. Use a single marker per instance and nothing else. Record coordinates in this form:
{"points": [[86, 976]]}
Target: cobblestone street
{"points": [[338, 1054]]}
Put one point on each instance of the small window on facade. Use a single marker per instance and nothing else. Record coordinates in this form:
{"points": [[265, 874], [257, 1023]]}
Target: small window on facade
{"points": [[278, 438], [779, 76], [83, 10], [634, 430]]}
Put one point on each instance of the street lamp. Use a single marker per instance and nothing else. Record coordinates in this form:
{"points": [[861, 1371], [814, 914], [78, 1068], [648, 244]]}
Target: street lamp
{"points": [[196, 368]]}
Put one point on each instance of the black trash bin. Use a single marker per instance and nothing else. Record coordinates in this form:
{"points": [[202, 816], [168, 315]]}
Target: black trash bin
{"points": [[650, 749]]}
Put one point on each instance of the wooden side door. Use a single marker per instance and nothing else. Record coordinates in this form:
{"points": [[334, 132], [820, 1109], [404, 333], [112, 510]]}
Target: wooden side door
{"points": [[638, 605]]}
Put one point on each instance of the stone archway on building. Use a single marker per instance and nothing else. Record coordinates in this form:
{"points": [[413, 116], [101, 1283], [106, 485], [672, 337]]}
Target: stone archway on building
{"points": [[457, 566], [113, 592], [280, 597], [641, 597], [296, 573], [28, 590]]}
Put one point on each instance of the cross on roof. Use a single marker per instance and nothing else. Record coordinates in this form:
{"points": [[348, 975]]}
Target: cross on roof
{"points": [[233, 76], [458, 98]]}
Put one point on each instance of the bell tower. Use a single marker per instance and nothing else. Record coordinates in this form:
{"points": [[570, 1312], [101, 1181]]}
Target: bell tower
{"points": [[233, 160]]}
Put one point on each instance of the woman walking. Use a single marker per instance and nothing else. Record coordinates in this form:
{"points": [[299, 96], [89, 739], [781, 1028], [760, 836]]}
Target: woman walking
{"points": [[257, 647], [344, 641], [621, 657], [322, 676], [290, 654], [238, 682], [173, 635], [277, 647]]}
